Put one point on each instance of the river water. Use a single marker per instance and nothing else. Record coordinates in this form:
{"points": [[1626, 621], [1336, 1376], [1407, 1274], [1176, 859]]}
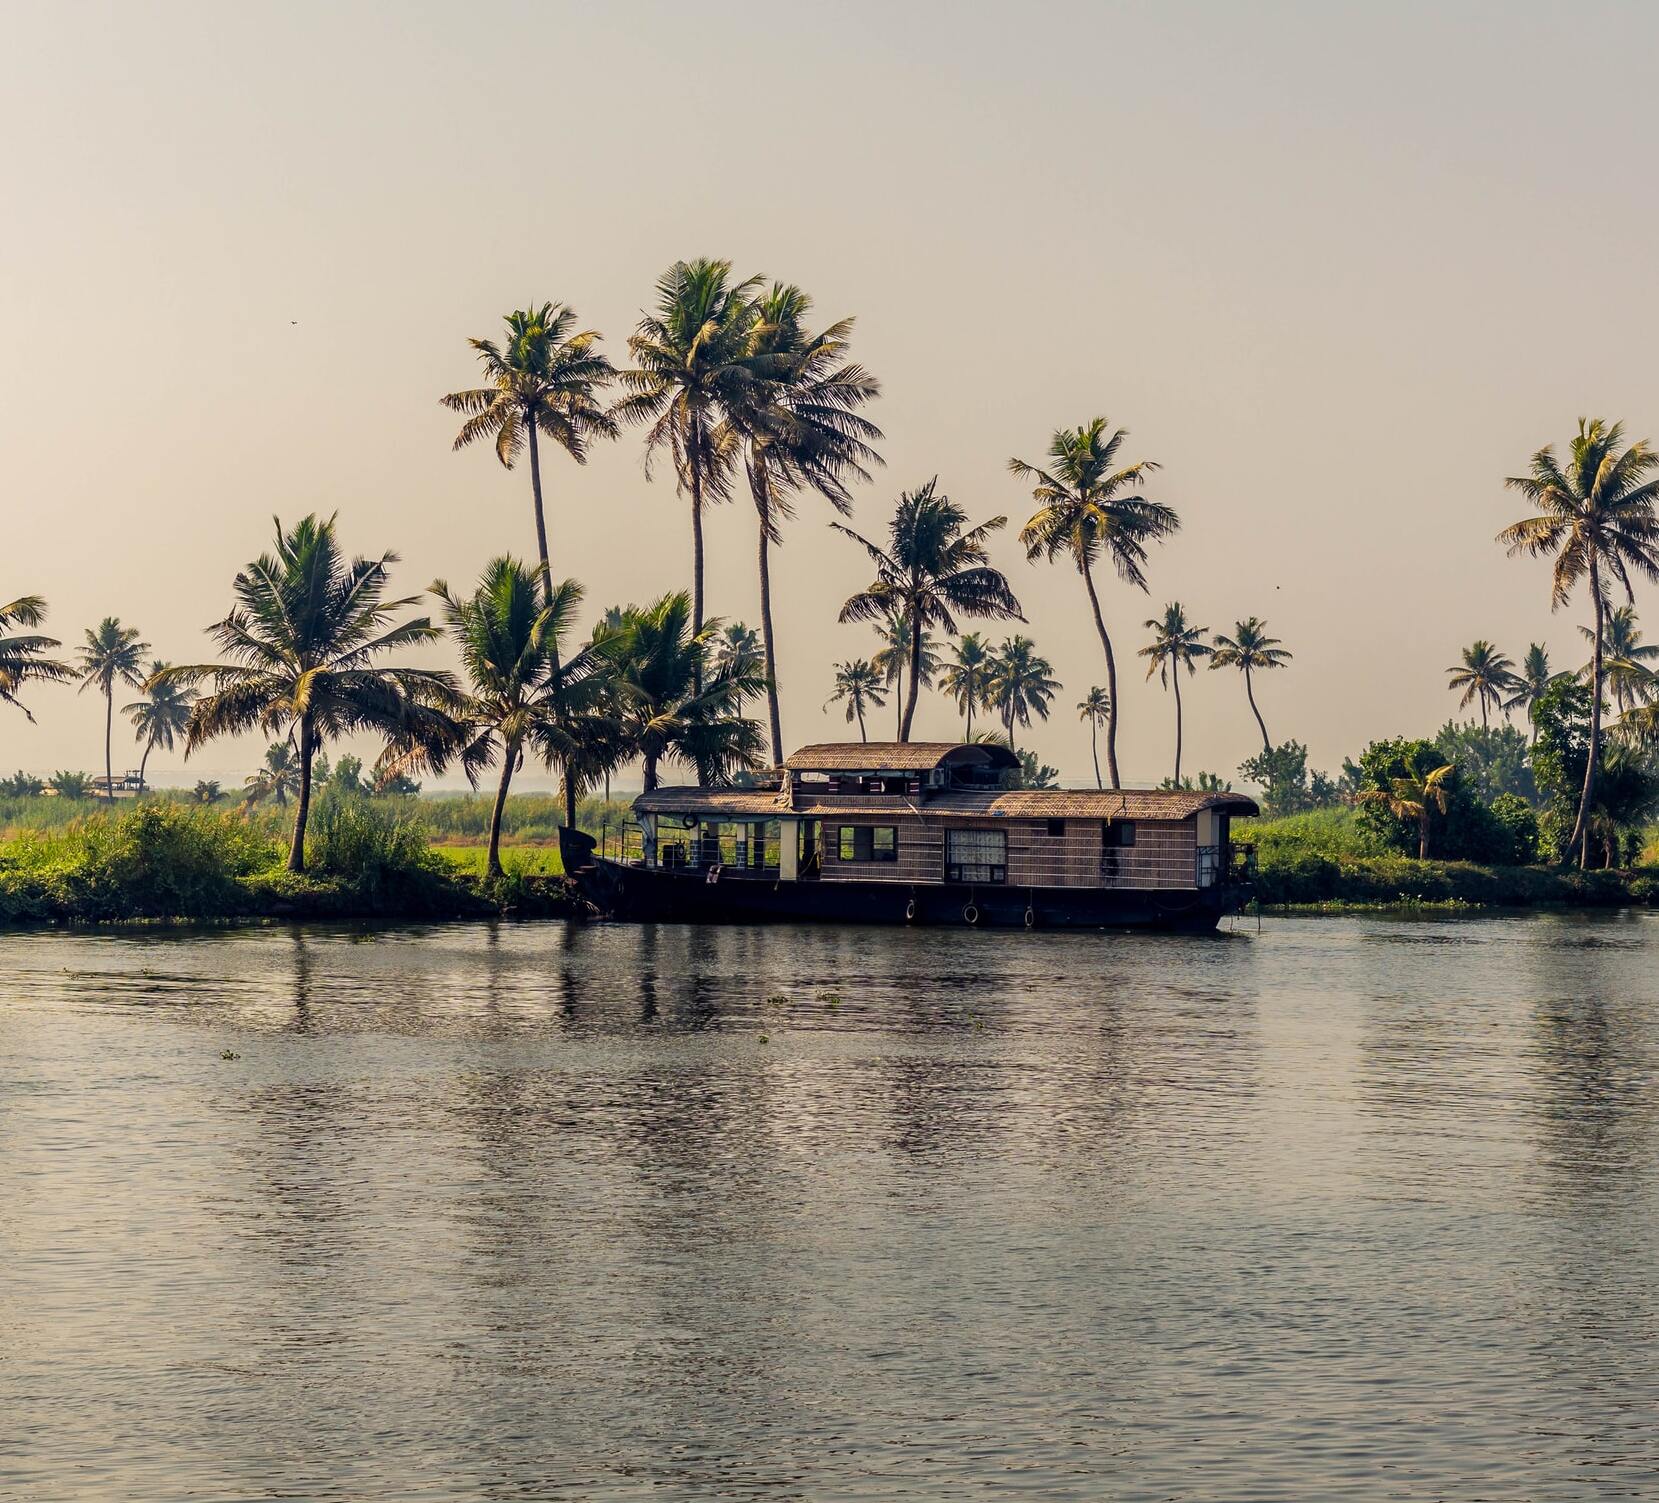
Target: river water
{"points": [[1346, 1208]]}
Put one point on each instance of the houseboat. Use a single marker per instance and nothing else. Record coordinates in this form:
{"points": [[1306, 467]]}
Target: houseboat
{"points": [[919, 832]]}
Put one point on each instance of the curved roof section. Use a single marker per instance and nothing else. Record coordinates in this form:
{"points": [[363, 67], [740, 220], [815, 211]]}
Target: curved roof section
{"points": [[898, 756]]}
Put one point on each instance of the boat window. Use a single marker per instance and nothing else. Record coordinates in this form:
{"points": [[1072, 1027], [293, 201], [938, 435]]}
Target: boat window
{"points": [[1056, 827], [884, 843], [976, 855], [869, 843], [1118, 833]]}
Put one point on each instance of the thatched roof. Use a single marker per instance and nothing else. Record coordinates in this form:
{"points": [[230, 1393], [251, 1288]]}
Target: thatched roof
{"points": [[897, 756], [1024, 803]]}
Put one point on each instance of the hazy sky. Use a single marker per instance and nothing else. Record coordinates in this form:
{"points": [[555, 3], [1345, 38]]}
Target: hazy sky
{"points": [[1339, 267]]}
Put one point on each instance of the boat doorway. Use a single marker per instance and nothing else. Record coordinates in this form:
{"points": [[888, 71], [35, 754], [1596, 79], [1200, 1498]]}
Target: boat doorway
{"points": [[811, 865]]}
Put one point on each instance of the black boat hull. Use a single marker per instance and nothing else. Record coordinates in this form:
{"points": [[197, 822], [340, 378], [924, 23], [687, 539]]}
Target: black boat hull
{"points": [[645, 894]]}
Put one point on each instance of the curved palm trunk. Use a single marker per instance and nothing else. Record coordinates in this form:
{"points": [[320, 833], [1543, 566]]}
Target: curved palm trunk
{"points": [[109, 727], [492, 866], [915, 675], [776, 723], [1261, 725], [1111, 678], [1094, 749], [1177, 677], [541, 519], [302, 805], [858, 708], [1581, 826], [143, 762], [1485, 729]]}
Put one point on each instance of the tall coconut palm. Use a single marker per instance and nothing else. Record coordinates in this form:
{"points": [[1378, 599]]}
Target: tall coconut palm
{"points": [[1596, 513], [23, 657], [1176, 644], [967, 677], [1625, 658], [672, 700], [302, 641], [891, 658], [1088, 505], [1022, 684], [111, 654], [801, 428], [858, 685], [278, 780], [508, 635], [1413, 796], [694, 368], [544, 381], [1250, 650], [1093, 709], [930, 571], [1486, 675], [162, 715], [1532, 679]]}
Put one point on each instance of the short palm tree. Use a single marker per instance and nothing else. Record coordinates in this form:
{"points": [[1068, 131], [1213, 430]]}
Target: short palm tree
{"points": [[1094, 709], [930, 571], [111, 654], [206, 791], [672, 700], [508, 634], [544, 381], [1088, 505], [1176, 644], [1022, 684], [1486, 675], [1250, 650], [1532, 679], [1625, 659], [1595, 514], [859, 686], [801, 428], [966, 678], [23, 657], [890, 659], [278, 780], [162, 715], [303, 641], [694, 367], [738, 649], [1413, 796]]}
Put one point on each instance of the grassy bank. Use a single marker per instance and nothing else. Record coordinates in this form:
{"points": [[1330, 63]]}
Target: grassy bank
{"points": [[1323, 860], [165, 860]]}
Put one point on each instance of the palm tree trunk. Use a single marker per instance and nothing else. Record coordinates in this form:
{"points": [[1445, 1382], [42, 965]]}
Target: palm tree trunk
{"points": [[1423, 832], [109, 726], [968, 733], [1094, 748], [143, 762], [696, 468], [858, 706], [541, 520], [492, 866], [1250, 694], [1485, 729], [766, 625], [1177, 677], [898, 700], [649, 770], [302, 805], [915, 675], [1008, 723], [1111, 679], [1581, 826], [570, 795]]}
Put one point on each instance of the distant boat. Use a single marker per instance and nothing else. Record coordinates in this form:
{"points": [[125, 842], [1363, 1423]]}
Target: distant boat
{"points": [[919, 832]]}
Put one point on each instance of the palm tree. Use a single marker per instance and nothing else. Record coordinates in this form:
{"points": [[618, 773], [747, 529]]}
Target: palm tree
{"points": [[23, 658], [206, 791], [1625, 658], [672, 700], [930, 570], [890, 658], [162, 715], [1022, 684], [1250, 649], [302, 639], [508, 634], [737, 649], [544, 382], [1094, 709], [967, 677], [801, 429], [1176, 644], [1485, 674], [112, 653], [1413, 796], [858, 685], [1597, 513], [694, 368], [1086, 507], [278, 780], [1531, 682]]}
